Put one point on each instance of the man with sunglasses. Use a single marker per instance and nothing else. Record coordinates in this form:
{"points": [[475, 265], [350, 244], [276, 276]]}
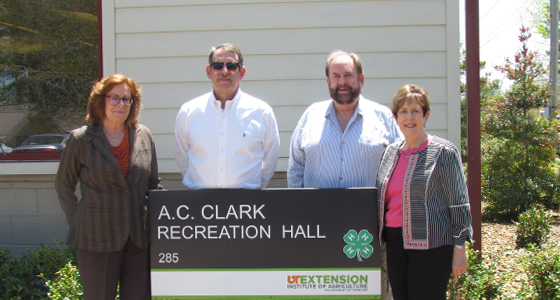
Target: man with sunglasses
{"points": [[226, 138], [338, 143]]}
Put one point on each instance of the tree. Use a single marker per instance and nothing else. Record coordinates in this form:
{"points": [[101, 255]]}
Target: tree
{"points": [[488, 88], [519, 149], [48, 55], [541, 18]]}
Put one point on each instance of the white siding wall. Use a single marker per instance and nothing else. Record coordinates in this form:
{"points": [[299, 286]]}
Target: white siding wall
{"points": [[164, 44]]}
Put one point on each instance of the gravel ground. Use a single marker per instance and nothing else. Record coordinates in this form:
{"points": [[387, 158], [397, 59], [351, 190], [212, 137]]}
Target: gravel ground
{"points": [[499, 239]]}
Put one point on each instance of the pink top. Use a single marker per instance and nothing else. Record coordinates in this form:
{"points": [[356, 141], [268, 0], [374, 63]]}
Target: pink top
{"points": [[393, 197]]}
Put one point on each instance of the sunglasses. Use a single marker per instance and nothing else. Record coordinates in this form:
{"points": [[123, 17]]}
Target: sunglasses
{"points": [[115, 100], [218, 65]]}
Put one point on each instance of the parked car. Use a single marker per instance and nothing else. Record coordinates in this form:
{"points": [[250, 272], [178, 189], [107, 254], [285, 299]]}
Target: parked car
{"points": [[43, 143], [5, 149]]}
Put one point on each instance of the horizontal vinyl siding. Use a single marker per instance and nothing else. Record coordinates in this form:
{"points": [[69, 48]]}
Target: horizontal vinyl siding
{"points": [[296, 14], [164, 45], [288, 67], [284, 41], [286, 92], [149, 3]]}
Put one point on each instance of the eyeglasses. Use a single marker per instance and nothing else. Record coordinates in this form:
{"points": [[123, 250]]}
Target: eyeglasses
{"points": [[115, 100], [218, 65]]}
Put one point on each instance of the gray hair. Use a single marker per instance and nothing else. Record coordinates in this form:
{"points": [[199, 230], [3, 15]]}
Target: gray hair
{"points": [[228, 47]]}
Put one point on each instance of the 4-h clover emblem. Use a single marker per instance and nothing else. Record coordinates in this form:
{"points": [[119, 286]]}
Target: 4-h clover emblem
{"points": [[358, 244]]}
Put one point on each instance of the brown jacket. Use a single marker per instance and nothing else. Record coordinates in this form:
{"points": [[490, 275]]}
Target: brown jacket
{"points": [[111, 207]]}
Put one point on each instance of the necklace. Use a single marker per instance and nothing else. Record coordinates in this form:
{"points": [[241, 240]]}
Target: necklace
{"points": [[411, 150], [113, 137]]}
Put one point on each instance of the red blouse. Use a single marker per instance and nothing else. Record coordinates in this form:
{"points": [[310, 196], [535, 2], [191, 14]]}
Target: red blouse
{"points": [[122, 153]]}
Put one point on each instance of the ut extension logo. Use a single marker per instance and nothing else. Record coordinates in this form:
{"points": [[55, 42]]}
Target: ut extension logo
{"points": [[293, 279], [358, 244]]}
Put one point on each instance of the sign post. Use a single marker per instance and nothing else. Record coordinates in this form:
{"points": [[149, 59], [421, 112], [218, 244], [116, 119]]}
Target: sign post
{"points": [[264, 244]]}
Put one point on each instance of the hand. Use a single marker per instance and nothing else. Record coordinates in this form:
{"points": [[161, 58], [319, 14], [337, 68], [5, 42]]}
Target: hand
{"points": [[459, 262]]}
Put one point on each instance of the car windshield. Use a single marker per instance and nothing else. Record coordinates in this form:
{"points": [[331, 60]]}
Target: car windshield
{"points": [[43, 140]]}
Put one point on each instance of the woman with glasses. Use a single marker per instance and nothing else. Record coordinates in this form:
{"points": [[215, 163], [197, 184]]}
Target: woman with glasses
{"points": [[114, 160], [424, 210]]}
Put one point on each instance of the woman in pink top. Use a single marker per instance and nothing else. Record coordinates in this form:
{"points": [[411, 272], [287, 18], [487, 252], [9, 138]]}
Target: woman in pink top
{"points": [[424, 207]]}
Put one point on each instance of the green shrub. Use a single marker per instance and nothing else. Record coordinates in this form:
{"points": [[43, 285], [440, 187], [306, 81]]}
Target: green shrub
{"points": [[25, 277], [533, 227], [482, 280], [511, 183], [67, 285], [11, 286], [543, 272]]}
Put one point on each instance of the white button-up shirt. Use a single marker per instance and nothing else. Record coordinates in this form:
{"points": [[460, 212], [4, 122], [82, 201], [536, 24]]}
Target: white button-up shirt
{"points": [[236, 147], [324, 156]]}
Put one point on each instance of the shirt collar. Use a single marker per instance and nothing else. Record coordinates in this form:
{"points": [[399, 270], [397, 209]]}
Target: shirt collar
{"points": [[330, 113], [229, 102]]}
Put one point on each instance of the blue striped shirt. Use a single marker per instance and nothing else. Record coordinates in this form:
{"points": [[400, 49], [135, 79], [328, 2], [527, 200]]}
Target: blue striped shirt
{"points": [[323, 156]]}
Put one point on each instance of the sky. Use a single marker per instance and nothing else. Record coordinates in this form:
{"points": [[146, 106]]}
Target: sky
{"points": [[499, 22]]}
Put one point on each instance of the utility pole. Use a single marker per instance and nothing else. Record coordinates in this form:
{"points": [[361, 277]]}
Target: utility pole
{"points": [[553, 58], [473, 158]]}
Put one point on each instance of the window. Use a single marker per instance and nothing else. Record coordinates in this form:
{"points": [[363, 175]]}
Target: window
{"points": [[48, 63]]}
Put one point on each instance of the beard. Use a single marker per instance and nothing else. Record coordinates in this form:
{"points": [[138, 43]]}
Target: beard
{"points": [[347, 98]]}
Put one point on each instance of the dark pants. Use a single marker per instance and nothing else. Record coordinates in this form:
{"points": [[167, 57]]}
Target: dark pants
{"points": [[417, 274], [101, 272]]}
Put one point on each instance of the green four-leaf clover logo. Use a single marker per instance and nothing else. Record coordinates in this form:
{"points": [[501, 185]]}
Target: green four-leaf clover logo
{"points": [[358, 244]]}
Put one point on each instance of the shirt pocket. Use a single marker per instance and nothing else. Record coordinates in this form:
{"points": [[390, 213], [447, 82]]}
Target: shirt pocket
{"points": [[372, 147]]}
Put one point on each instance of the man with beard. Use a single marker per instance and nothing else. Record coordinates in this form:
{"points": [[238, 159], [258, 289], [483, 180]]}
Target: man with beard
{"points": [[338, 143], [226, 138]]}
